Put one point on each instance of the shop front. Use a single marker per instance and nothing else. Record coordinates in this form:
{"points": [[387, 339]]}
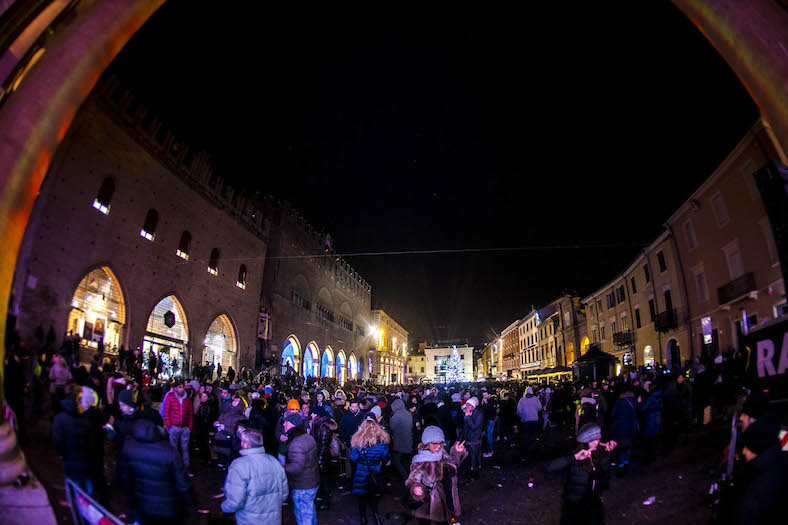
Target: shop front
{"points": [[98, 312], [221, 344], [165, 343]]}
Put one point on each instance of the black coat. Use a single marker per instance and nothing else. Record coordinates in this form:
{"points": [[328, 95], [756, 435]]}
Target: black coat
{"points": [[580, 485], [152, 474], [766, 489], [79, 440]]}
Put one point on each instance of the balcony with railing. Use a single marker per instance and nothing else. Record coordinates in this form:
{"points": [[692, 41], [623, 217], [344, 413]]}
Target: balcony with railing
{"points": [[667, 320], [737, 288], [623, 338]]}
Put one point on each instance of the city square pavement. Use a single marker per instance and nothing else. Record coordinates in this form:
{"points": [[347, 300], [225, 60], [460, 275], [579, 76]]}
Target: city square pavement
{"points": [[500, 496]]}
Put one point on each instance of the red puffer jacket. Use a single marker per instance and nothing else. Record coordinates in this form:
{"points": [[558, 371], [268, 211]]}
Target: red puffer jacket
{"points": [[179, 413]]}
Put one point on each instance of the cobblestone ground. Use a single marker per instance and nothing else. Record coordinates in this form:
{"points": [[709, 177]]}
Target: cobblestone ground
{"points": [[501, 496]]}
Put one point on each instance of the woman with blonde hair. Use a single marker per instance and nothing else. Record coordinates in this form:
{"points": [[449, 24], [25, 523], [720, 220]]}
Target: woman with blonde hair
{"points": [[369, 450]]}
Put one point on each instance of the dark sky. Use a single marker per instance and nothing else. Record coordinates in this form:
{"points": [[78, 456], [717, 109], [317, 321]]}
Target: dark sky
{"points": [[409, 129]]}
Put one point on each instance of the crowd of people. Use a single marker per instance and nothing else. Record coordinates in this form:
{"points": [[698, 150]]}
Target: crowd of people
{"points": [[290, 443]]}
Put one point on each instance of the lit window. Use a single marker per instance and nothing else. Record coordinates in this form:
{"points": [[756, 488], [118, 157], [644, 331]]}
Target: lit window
{"points": [[183, 246], [149, 226], [104, 197], [213, 263], [241, 282]]}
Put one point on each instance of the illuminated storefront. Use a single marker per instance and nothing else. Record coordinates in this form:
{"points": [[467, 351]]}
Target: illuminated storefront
{"points": [[166, 336], [221, 345], [98, 311]]}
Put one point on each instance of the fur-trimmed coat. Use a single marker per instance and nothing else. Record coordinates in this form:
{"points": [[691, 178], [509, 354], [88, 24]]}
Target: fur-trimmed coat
{"points": [[430, 476]]}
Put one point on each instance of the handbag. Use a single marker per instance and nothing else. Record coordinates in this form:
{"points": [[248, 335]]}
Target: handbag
{"points": [[334, 447]]}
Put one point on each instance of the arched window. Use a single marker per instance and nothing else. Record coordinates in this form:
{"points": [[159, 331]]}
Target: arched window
{"points": [[183, 246], [149, 226], [104, 197], [213, 263], [241, 282]]}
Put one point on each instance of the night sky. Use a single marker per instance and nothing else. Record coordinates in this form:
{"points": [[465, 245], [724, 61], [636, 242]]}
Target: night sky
{"points": [[573, 133]]}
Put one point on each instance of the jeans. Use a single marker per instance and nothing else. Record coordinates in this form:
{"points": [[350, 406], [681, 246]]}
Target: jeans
{"points": [[529, 429], [475, 455], [401, 462], [490, 432], [181, 435], [304, 506]]}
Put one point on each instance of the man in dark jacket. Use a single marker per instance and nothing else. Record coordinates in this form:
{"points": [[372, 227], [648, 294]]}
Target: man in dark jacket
{"points": [[350, 423], [154, 480], [625, 427], [79, 441], [302, 468], [401, 438], [764, 478]]}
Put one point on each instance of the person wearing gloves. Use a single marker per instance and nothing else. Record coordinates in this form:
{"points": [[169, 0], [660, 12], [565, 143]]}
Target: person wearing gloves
{"points": [[256, 484], [588, 475], [473, 430], [528, 411], [302, 468], [432, 484]]}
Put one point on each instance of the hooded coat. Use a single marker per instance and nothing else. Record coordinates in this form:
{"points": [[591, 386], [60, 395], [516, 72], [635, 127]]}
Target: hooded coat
{"points": [[301, 467], [625, 425], [401, 428], [152, 474], [368, 460], [255, 488], [78, 439], [223, 439], [438, 479]]}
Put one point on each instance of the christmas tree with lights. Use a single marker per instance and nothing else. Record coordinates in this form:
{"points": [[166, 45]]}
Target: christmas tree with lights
{"points": [[456, 367]]}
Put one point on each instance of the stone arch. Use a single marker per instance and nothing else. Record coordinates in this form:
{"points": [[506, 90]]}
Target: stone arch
{"points": [[341, 367], [291, 354], [327, 363], [352, 367], [221, 343], [98, 309], [570, 353], [167, 335], [324, 297], [311, 360], [584, 344], [346, 311], [301, 285], [672, 353]]}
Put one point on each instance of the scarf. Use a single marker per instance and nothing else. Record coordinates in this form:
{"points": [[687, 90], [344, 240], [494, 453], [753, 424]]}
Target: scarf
{"points": [[426, 456]]}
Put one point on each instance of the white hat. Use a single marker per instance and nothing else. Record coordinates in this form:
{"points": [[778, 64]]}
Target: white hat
{"points": [[376, 410], [254, 395], [473, 401]]}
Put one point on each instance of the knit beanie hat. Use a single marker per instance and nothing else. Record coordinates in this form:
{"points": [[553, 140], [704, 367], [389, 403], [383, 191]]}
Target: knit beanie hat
{"points": [[294, 419], [293, 404], [432, 434], [324, 393], [268, 389], [761, 435], [127, 398], [456, 398], [86, 398], [194, 384], [588, 433], [474, 401], [376, 410], [529, 390]]}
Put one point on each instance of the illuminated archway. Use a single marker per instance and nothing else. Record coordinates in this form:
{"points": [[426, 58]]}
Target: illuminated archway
{"points": [[291, 354], [327, 363], [584, 344], [341, 369], [352, 366], [98, 311], [221, 343], [166, 337], [570, 353], [648, 356]]}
